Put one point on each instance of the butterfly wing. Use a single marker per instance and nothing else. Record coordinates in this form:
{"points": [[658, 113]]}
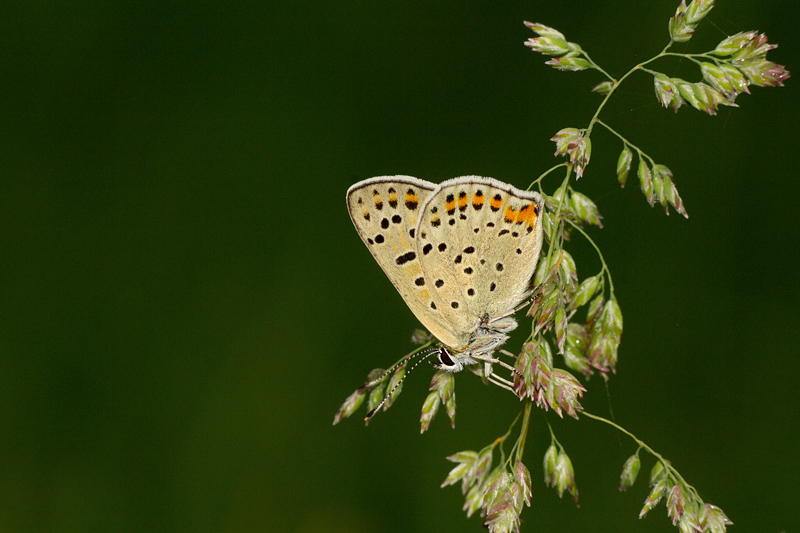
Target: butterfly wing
{"points": [[478, 240], [385, 211]]}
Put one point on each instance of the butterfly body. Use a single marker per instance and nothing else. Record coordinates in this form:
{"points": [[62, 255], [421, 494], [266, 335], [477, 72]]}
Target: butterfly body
{"points": [[460, 253]]}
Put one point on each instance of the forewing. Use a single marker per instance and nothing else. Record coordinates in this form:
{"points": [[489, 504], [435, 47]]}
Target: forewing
{"points": [[385, 212], [479, 241]]}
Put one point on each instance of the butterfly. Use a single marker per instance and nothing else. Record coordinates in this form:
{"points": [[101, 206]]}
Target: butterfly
{"points": [[460, 253]]}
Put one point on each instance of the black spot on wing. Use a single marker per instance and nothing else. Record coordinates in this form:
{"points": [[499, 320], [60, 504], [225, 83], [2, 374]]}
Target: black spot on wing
{"points": [[497, 198], [411, 204], [405, 258]]}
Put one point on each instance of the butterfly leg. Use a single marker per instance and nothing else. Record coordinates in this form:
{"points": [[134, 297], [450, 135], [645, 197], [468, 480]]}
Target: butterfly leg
{"points": [[506, 352], [494, 378], [502, 383], [490, 360], [497, 380]]}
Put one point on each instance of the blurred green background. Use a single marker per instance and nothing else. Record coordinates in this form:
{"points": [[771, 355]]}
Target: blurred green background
{"points": [[185, 303]]}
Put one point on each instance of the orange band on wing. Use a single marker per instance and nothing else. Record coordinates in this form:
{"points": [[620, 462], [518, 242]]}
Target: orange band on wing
{"points": [[526, 214], [533, 213], [510, 215]]}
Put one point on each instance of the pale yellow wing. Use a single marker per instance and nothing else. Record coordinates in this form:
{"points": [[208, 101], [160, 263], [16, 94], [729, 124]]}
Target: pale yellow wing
{"points": [[483, 239], [385, 211]]}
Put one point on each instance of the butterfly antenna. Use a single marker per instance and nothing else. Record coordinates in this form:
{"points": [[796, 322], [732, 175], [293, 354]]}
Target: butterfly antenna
{"points": [[394, 367], [389, 394], [391, 369]]}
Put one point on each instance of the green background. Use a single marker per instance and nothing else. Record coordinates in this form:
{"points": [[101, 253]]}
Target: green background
{"points": [[185, 303]]}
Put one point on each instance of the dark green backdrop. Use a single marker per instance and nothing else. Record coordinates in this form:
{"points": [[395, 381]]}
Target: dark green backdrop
{"points": [[185, 303]]}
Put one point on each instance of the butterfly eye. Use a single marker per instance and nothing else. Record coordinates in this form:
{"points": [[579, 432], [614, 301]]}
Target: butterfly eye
{"points": [[444, 357]]}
